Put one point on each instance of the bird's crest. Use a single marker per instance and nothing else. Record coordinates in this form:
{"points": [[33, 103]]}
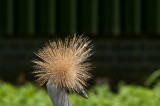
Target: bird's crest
{"points": [[64, 62]]}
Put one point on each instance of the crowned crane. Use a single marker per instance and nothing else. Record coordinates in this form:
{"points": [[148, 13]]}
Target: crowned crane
{"points": [[63, 67]]}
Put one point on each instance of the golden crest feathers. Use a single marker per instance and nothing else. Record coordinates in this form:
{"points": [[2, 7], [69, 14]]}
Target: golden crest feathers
{"points": [[64, 62]]}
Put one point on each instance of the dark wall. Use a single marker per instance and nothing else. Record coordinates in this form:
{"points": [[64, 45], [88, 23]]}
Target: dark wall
{"points": [[39, 17], [131, 60], [122, 30]]}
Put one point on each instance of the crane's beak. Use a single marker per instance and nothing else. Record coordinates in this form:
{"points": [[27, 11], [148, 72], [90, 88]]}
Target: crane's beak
{"points": [[83, 93]]}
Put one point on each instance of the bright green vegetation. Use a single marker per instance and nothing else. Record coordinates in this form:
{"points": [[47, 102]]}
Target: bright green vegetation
{"points": [[130, 95], [27, 95]]}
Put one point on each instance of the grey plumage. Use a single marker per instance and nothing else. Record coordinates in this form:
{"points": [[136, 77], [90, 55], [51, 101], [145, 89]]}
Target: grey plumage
{"points": [[57, 96]]}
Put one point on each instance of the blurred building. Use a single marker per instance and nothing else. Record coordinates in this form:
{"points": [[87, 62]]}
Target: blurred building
{"points": [[125, 33]]}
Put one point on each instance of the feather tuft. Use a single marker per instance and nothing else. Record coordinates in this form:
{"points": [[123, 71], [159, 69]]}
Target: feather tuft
{"points": [[65, 63]]}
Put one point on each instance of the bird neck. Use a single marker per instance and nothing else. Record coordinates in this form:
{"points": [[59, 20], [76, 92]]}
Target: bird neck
{"points": [[57, 95]]}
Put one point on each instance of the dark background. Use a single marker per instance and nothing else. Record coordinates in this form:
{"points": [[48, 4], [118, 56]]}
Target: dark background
{"points": [[125, 35]]}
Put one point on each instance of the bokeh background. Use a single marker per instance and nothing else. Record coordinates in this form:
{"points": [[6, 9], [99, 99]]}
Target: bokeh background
{"points": [[125, 35]]}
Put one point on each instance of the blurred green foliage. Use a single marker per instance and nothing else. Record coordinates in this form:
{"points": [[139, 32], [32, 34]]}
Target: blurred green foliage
{"points": [[100, 95], [154, 78], [27, 95]]}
